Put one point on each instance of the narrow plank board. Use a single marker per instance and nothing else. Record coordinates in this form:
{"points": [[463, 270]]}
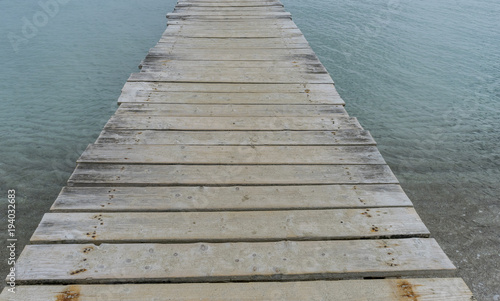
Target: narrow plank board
{"points": [[214, 175], [147, 109], [184, 227], [429, 289], [213, 98], [229, 88], [235, 198], [233, 76], [342, 137], [288, 260], [214, 154], [232, 123]]}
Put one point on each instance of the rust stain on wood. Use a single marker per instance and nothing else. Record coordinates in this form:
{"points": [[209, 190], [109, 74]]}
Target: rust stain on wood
{"points": [[71, 293], [406, 290]]}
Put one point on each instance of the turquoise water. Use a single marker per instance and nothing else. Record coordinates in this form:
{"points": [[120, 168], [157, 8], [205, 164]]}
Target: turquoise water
{"points": [[422, 76]]}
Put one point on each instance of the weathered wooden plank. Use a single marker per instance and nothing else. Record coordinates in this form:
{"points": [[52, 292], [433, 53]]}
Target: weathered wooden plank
{"points": [[190, 43], [229, 88], [429, 289], [342, 137], [233, 76], [257, 98], [240, 66], [215, 154], [255, 43], [229, 8], [249, 33], [213, 175], [147, 109], [202, 24], [276, 15], [232, 123], [176, 227], [228, 4], [241, 53], [228, 13], [288, 260], [235, 198], [228, 98]]}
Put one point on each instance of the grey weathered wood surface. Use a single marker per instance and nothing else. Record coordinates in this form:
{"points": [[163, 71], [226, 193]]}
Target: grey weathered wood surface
{"points": [[146, 109], [257, 98], [214, 154], [208, 262], [327, 224], [214, 175], [342, 137], [429, 289], [232, 198], [231, 76], [231, 158], [206, 123]]}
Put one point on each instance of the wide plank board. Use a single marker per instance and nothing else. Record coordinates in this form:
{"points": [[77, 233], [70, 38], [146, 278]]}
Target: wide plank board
{"points": [[302, 88], [215, 175], [229, 18], [175, 227], [147, 109], [229, 4], [198, 24], [162, 51], [286, 33], [233, 198], [257, 98], [235, 43], [342, 137], [233, 76], [214, 154], [277, 67], [232, 123], [287, 260], [429, 289]]}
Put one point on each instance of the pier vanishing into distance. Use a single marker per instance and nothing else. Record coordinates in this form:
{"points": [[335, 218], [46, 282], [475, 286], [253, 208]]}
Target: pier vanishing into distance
{"points": [[231, 171]]}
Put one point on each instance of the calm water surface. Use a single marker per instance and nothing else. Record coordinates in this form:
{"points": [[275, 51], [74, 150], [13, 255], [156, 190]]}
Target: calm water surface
{"points": [[422, 76]]}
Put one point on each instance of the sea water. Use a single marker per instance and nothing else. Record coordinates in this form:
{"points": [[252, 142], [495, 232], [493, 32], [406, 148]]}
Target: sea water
{"points": [[422, 76]]}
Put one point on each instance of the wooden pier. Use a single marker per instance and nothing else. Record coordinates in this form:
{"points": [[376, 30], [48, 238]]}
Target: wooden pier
{"points": [[231, 171]]}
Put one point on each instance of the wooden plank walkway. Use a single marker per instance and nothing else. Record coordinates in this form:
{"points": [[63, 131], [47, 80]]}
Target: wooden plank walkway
{"points": [[231, 171]]}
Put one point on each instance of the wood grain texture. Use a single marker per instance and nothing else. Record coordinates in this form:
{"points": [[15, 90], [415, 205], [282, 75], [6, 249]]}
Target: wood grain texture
{"points": [[147, 109], [206, 175], [342, 137], [232, 123], [170, 227], [302, 88], [232, 198], [231, 75], [257, 98], [428, 289], [214, 154], [208, 262]]}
